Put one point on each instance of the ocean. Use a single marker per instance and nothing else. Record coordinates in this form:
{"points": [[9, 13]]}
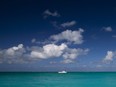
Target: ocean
{"points": [[37, 79]]}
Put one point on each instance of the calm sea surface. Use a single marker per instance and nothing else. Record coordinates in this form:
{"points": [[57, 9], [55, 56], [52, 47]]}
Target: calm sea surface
{"points": [[58, 80]]}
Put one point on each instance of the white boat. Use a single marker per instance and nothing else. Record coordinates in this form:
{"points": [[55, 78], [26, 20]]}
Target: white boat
{"points": [[62, 72]]}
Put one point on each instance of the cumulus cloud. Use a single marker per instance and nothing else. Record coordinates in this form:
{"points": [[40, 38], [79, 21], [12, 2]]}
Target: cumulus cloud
{"points": [[15, 51], [19, 54], [55, 51], [110, 55], [49, 51], [13, 54], [70, 36], [71, 54], [108, 29], [68, 24], [49, 13]]}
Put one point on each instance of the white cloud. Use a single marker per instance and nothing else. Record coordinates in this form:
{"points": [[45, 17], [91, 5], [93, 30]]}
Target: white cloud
{"points": [[54, 51], [110, 55], [49, 51], [107, 29], [74, 53], [19, 54], [49, 13], [71, 54], [13, 54], [70, 36], [68, 24], [15, 51]]}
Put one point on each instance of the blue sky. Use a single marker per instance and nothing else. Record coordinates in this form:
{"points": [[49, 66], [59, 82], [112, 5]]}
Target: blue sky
{"points": [[47, 35]]}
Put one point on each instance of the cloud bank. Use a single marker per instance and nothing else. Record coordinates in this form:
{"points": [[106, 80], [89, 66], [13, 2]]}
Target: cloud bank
{"points": [[20, 54]]}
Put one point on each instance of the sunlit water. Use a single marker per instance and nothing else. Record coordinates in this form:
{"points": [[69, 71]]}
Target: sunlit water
{"points": [[58, 80]]}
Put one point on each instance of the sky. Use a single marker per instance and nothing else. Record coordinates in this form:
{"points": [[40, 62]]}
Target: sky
{"points": [[55, 35]]}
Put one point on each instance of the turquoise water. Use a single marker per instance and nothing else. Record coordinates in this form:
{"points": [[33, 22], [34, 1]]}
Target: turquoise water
{"points": [[58, 80]]}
